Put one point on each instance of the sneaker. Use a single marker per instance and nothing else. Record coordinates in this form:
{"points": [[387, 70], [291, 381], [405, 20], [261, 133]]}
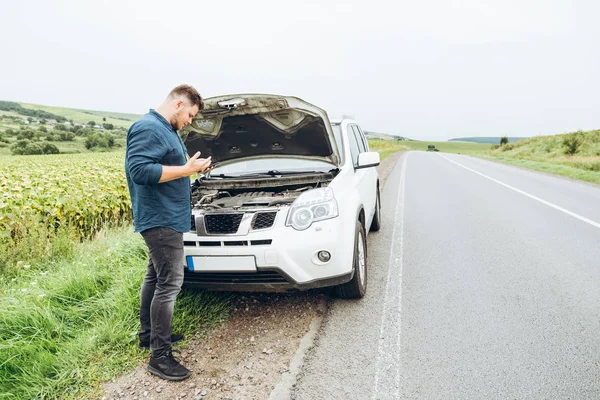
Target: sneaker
{"points": [[145, 344], [168, 367]]}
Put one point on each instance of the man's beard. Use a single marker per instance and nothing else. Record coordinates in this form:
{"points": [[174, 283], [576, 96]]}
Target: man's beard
{"points": [[173, 123]]}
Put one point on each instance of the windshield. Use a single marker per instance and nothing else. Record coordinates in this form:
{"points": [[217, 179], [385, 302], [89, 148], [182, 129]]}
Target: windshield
{"points": [[271, 164]]}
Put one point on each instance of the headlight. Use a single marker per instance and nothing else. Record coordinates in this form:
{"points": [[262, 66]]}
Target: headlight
{"points": [[312, 206]]}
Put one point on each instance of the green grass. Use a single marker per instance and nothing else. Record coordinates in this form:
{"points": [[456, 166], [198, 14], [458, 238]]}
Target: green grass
{"points": [[387, 147], [75, 146], [548, 154], [449, 147], [557, 169], [69, 325], [10, 113], [84, 116]]}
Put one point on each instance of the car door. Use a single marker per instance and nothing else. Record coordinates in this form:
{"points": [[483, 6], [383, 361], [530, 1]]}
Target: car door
{"points": [[369, 179]]}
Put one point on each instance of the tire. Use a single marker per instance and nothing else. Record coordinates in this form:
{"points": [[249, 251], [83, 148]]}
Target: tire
{"points": [[376, 224], [357, 287]]}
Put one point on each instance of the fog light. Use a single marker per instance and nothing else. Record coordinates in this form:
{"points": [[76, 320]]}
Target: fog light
{"points": [[324, 256]]}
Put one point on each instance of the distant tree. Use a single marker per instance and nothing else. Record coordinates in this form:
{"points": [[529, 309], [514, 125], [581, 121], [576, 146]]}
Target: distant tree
{"points": [[49, 148], [30, 119], [19, 147], [99, 140], [104, 119], [10, 132], [66, 136], [26, 134], [94, 140], [42, 128], [25, 147], [503, 140], [572, 142], [85, 131], [92, 123], [109, 127], [61, 127], [43, 121]]}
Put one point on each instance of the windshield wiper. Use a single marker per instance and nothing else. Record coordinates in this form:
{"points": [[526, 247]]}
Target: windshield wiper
{"points": [[271, 173], [276, 172]]}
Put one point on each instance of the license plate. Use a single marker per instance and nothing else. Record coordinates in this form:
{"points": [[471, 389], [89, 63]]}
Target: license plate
{"points": [[221, 264]]}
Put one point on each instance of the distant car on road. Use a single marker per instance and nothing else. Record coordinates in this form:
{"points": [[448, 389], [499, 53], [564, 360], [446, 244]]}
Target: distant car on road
{"points": [[288, 205]]}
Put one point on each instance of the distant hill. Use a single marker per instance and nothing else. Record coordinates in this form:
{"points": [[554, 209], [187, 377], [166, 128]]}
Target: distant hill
{"points": [[486, 140], [83, 116], [77, 115], [383, 136], [575, 154], [38, 129]]}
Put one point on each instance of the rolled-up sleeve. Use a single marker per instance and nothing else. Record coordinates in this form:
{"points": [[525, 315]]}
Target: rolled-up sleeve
{"points": [[145, 150]]}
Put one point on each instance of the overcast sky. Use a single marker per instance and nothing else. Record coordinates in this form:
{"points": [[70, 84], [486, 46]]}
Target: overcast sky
{"points": [[430, 70]]}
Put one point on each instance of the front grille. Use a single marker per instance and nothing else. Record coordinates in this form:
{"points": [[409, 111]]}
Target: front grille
{"points": [[258, 278], [263, 220], [222, 223]]}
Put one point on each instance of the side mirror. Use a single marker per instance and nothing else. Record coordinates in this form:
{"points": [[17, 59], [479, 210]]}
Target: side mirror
{"points": [[368, 160]]}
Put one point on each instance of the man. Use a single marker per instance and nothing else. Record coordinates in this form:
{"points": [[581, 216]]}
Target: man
{"points": [[157, 175]]}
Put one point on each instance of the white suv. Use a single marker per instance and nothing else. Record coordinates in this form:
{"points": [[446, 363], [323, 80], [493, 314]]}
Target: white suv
{"points": [[289, 203]]}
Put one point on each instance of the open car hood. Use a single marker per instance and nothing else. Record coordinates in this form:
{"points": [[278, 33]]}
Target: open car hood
{"points": [[244, 126]]}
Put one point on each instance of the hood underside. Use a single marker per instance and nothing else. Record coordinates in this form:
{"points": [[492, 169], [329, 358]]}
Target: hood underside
{"points": [[247, 126]]}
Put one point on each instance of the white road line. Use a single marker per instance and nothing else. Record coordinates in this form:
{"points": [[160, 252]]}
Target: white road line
{"points": [[401, 267], [571, 213], [399, 201]]}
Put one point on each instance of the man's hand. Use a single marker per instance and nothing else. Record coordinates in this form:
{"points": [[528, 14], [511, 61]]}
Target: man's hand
{"points": [[196, 164]]}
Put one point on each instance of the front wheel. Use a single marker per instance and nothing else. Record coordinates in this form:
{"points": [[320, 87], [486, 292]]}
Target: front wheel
{"points": [[357, 287]]}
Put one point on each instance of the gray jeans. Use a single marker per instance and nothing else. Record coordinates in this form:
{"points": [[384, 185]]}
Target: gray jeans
{"points": [[162, 283]]}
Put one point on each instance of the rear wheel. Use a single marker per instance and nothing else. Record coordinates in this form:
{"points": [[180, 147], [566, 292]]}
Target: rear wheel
{"points": [[357, 287], [376, 224]]}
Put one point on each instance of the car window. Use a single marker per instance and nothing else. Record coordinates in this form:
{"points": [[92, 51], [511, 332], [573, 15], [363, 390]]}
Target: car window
{"points": [[363, 137], [354, 148], [359, 139]]}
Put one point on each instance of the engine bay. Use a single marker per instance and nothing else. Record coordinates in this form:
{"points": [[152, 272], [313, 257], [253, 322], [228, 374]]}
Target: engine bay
{"points": [[247, 194], [239, 199]]}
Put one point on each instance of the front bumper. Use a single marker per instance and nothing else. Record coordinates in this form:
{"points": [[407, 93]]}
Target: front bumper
{"points": [[263, 280], [285, 259]]}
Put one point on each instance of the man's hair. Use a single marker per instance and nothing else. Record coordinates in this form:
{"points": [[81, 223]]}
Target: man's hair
{"points": [[190, 93]]}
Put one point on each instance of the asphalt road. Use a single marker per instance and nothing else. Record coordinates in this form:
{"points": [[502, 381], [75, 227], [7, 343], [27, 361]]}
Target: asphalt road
{"points": [[484, 283]]}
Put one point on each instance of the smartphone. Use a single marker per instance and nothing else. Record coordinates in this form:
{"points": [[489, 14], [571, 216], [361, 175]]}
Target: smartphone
{"points": [[211, 167]]}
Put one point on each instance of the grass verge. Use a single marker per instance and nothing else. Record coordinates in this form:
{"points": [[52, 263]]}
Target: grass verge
{"points": [[548, 167], [386, 147], [67, 326]]}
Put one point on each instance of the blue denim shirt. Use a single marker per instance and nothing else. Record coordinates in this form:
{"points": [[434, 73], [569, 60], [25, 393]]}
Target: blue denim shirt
{"points": [[151, 143]]}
